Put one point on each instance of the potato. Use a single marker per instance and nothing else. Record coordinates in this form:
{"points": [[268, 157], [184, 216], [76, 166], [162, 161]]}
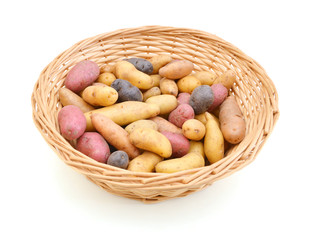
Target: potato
{"points": [[197, 147], [202, 118], [213, 140], [227, 79], [145, 162], [126, 71], [81, 75], [188, 84], [93, 145], [183, 98], [156, 79], [151, 140], [180, 145], [166, 102], [168, 86], [107, 68], [124, 113], [100, 95], [126, 91], [176, 69], [144, 123], [206, 78], [141, 64], [154, 91], [72, 122], [182, 113], [106, 78], [159, 61], [67, 97], [118, 159], [220, 94], [193, 129], [189, 161], [232, 122], [164, 125], [201, 99], [114, 134]]}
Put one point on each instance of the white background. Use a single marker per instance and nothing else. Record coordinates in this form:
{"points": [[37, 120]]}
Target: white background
{"points": [[272, 198]]}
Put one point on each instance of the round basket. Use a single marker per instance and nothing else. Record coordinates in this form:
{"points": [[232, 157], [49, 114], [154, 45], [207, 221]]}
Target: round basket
{"points": [[254, 91]]}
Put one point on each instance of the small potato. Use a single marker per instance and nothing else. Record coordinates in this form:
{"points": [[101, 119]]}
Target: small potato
{"points": [[201, 117], [67, 97], [106, 78], [201, 99], [176, 69], [206, 78], [156, 79], [197, 147], [181, 114], [107, 68], [141, 64], [126, 91], [93, 145], [72, 122], [188, 84], [145, 162], [151, 140], [220, 94], [164, 125], [166, 102], [193, 129], [159, 61], [227, 79], [183, 98], [144, 123], [118, 159], [154, 91], [100, 95], [81, 75], [189, 161], [180, 145], [168, 86]]}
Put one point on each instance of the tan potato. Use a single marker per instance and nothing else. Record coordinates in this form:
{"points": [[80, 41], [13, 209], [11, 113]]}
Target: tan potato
{"points": [[159, 61], [168, 86], [156, 79], [193, 129], [232, 121], [189, 161], [188, 84], [106, 78], [176, 69], [127, 71], [202, 118], [110, 68], [100, 95], [151, 140], [144, 123], [227, 79], [206, 78], [197, 147], [166, 102], [154, 91], [213, 140], [67, 97], [145, 162], [165, 125], [124, 113]]}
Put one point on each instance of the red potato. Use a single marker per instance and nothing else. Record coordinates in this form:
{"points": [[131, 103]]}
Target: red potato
{"points": [[94, 146], [183, 98], [181, 114], [220, 94], [82, 75], [72, 122], [180, 144]]}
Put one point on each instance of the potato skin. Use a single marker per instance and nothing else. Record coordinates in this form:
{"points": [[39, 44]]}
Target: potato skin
{"points": [[81, 75], [232, 121], [156, 79], [189, 161], [220, 93], [106, 78], [188, 84], [181, 114], [126, 91], [144, 123], [193, 129], [197, 147], [67, 97], [183, 98], [206, 78], [180, 144], [141, 64], [168, 86], [72, 122], [100, 95], [159, 61], [201, 99], [94, 146], [166, 102], [227, 79], [154, 91], [151, 140], [145, 162], [118, 159], [176, 69], [165, 125]]}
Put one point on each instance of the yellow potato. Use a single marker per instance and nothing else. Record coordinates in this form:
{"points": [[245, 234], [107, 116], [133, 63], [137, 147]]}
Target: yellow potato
{"points": [[202, 118], [176, 69], [188, 84], [159, 61], [124, 113], [67, 97], [100, 95], [193, 129], [141, 124], [154, 91], [156, 79], [107, 68], [168, 86], [213, 140], [227, 79], [151, 140], [166, 102], [206, 78], [126, 70], [145, 162], [188, 161], [197, 147], [106, 78]]}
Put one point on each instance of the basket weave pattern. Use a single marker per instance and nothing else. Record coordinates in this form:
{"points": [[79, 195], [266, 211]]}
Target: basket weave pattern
{"points": [[254, 91]]}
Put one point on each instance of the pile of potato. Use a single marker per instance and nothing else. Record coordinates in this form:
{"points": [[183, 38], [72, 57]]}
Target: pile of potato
{"points": [[155, 115]]}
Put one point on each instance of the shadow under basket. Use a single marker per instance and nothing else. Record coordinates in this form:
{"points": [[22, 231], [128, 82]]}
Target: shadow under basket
{"points": [[254, 92]]}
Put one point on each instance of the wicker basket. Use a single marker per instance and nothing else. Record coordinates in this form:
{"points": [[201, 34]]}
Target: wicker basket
{"points": [[254, 91]]}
